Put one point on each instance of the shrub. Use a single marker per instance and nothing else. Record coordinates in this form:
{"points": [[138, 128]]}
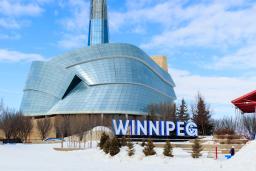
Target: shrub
{"points": [[114, 147], [103, 139], [131, 149], [143, 143], [123, 141], [196, 149], [149, 148], [106, 146], [168, 149]]}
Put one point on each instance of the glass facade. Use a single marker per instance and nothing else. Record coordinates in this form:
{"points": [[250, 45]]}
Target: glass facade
{"points": [[102, 78], [98, 25], [105, 78]]}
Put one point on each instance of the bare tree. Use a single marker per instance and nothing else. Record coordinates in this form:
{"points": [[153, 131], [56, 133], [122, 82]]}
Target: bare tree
{"points": [[14, 124], [25, 127], [62, 126], [44, 126], [79, 126], [153, 111], [227, 125], [7, 124], [249, 122], [166, 111], [170, 112], [1, 106]]}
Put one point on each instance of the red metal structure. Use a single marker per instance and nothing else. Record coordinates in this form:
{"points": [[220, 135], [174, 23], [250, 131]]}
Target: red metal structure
{"points": [[246, 103]]}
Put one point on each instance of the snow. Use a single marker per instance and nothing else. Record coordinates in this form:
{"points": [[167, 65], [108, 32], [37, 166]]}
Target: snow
{"points": [[244, 159], [42, 157], [102, 129], [209, 138]]}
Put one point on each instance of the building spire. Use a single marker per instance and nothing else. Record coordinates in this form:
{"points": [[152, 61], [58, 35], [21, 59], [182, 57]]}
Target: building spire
{"points": [[98, 25]]}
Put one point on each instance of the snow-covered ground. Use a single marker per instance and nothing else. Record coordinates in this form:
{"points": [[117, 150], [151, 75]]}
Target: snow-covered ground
{"points": [[43, 158]]}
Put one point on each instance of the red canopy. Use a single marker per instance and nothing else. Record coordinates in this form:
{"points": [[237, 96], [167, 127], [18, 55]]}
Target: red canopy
{"points": [[246, 103]]}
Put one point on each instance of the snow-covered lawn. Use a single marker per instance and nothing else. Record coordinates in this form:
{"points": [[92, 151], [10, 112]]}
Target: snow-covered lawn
{"points": [[44, 158]]}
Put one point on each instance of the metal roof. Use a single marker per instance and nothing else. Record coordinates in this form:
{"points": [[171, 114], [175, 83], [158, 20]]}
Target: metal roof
{"points": [[246, 103]]}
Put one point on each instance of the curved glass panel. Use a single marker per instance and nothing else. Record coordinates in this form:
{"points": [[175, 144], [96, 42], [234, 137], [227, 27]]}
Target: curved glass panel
{"points": [[121, 70], [113, 78], [110, 98], [84, 55], [37, 103], [48, 78]]}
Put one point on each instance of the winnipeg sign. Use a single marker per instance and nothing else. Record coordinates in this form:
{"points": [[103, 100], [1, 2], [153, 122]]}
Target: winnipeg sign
{"points": [[154, 128]]}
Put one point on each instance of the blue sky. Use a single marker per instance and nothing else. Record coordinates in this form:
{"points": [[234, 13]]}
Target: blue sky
{"points": [[211, 45]]}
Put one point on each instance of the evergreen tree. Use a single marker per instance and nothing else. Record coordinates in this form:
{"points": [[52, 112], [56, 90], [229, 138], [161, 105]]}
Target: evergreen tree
{"points": [[196, 149], [182, 112], [168, 149], [131, 149], [114, 147], [103, 139], [202, 117], [106, 146], [149, 148]]}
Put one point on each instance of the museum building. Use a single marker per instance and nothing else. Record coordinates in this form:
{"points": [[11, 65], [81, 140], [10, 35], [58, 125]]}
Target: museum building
{"points": [[103, 78]]}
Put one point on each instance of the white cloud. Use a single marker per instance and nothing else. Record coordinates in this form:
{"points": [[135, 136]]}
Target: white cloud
{"points": [[14, 8], [116, 20], [223, 25], [79, 16], [159, 13], [218, 91], [15, 56], [137, 4], [244, 58], [44, 1], [75, 26], [11, 36], [13, 13], [207, 25], [9, 23], [70, 41]]}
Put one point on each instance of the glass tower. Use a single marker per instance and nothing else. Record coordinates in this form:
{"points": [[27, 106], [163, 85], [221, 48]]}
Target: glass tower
{"points": [[98, 26]]}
